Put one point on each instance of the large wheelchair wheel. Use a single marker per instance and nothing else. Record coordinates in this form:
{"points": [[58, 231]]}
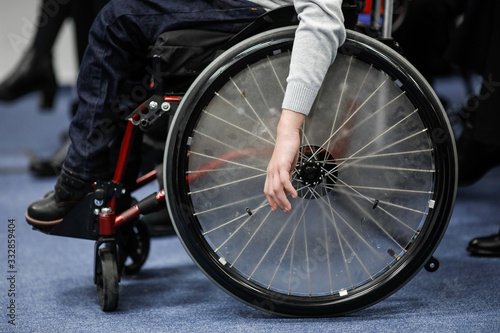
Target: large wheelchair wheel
{"points": [[376, 178]]}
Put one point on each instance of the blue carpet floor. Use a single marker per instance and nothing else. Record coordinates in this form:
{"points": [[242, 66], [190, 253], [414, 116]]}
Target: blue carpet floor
{"points": [[54, 290]]}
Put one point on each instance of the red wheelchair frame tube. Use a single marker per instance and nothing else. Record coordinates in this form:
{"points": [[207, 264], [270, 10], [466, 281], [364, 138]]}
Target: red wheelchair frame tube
{"points": [[145, 179], [107, 220], [124, 152], [107, 223], [135, 211]]}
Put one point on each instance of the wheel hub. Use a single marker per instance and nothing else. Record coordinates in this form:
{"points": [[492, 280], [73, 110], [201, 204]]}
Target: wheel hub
{"points": [[316, 172], [311, 173]]}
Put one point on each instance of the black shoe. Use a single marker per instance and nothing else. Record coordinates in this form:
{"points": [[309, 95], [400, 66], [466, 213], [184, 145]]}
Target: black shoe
{"points": [[53, 207], [485, 246], [53, 165], [33, 73], [475, 159], [159, 224]]}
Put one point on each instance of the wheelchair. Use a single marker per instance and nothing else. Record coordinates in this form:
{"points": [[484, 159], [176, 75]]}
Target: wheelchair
{"points": [[376, 178]]}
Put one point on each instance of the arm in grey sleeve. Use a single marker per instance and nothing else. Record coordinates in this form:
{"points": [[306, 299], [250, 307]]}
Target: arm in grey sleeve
{"points": [[319, 34]]}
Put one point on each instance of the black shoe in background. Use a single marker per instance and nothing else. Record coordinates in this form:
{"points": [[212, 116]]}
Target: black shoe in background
{"points": [[51, 166], [485, 246]]}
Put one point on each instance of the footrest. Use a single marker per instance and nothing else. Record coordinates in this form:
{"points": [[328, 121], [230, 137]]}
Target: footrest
{"points": [[79, 223]]}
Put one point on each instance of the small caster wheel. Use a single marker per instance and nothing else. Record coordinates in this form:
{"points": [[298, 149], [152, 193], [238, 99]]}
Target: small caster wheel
{"points": [[107, 279], [134, 247], [432, 265]]}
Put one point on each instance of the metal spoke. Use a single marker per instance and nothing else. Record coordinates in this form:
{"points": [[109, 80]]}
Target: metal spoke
{"points": [[339, 236], [356, 233], [276, 75], [239, 128], [236, 108], [292, 238], [363, 209], [375, 139], [363, 241], [213, 170], [238, 229], [233, 220], [257, 84], [384, 189], [228, 205], [376, 112], [231, 147], [270, 246], [226, 160], [307, 259], [226, 184], [356, 159], [384, 167], [249, 238], [372, 202], [339, 102], [352, 115], [243, 95]]}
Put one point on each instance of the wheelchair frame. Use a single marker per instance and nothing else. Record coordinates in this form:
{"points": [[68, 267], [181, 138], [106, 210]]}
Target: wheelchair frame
{"points": [[99, 208]]}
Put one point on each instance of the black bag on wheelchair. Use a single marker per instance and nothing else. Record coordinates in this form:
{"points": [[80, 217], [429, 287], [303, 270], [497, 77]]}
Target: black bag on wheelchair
{"points": [[184, 54]]}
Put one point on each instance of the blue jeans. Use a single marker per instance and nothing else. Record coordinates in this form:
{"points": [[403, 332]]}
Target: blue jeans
{"points": [[115, 61]]}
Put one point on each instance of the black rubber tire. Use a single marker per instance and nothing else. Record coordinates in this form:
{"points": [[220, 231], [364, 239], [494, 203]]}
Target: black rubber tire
{"points": [[134, 246], [194, 235], [107, 279]]}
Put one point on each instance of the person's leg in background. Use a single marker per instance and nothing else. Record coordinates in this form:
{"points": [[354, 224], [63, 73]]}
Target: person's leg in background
{"points": [[477, 48], [426, 32], [83, 14], [479, 148], [479, 151], [35, 72]]}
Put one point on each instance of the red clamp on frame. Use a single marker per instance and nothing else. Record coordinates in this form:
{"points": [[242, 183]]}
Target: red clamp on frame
{"points": [[152, 109], [107, 222]]}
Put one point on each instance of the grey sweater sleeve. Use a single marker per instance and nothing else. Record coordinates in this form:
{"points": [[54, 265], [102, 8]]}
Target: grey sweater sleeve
{"points": [[321, 31]]}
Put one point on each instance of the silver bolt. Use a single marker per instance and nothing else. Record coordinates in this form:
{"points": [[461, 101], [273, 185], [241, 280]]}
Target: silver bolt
{"points": [[165, 106], [106, 210], [96, 211], [153, 105]]}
